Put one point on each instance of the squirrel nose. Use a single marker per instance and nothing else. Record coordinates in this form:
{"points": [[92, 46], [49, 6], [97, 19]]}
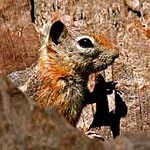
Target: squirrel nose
{"points": [[114, 52]]}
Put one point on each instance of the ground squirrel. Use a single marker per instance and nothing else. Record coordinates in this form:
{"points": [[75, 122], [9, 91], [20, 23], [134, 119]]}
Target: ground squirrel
{"points": [[65, 63]]}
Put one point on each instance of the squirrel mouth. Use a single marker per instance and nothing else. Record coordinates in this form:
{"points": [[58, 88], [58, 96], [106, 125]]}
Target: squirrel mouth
{"points": [[92, 79]]}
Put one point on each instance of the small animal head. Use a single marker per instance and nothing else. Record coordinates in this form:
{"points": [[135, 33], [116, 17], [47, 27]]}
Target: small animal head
{"points": [[81, 51]]}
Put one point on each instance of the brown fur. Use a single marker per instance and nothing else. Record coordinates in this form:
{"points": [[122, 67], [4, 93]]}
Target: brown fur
{"points": [[61, 77]]}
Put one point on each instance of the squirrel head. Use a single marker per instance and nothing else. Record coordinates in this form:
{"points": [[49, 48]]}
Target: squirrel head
{"points": [[83, 52]]}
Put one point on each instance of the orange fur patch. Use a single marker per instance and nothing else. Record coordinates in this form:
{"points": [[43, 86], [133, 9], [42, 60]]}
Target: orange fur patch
{"points": [[148, 33], [57, 68], [100, 38]]}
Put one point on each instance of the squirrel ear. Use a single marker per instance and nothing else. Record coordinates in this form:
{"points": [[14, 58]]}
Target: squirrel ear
{"points": [[58, 32]]}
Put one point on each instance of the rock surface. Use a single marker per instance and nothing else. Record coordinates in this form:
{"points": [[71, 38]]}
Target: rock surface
{"points": [[19, 41], [25, 126]]}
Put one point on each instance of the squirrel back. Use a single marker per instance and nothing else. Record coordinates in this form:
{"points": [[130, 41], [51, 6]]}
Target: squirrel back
{"points": [[66, 61]]}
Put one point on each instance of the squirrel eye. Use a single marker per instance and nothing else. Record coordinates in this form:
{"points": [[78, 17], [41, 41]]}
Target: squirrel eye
{"points": [[85, 43]]}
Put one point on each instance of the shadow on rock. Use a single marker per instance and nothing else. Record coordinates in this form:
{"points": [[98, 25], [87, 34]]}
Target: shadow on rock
{"points": [[104, 117]]}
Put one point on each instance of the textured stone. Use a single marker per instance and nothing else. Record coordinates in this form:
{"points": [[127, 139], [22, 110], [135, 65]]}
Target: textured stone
{"points": [[19, 41]]}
